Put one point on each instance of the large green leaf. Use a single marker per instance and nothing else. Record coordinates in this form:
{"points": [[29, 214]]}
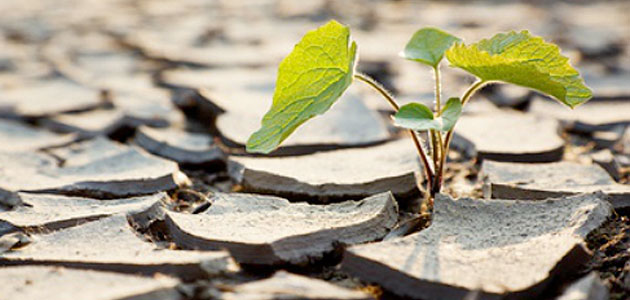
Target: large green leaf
{"points": [[310, 79], [428, 45], [524, 60], [418, 117]]}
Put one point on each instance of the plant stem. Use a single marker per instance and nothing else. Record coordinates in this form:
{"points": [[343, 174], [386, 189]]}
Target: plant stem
{"points": [[388, 96], [436, 135], [438, 91], [449, 136], [435, 150], [440, 146]]}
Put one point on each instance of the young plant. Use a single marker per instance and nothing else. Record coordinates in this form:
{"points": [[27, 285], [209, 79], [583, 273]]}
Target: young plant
{"points": [[322, 66]]}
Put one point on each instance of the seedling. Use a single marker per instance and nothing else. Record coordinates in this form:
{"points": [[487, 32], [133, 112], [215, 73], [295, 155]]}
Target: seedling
{"points": [[322, 66]]}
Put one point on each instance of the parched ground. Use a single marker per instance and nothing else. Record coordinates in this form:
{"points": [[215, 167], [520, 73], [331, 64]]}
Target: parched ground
{"points": [[123, 173]]}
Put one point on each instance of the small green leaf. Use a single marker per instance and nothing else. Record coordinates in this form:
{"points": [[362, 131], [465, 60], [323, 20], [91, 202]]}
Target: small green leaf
{"points": [[450, 113], [428, 45], [310, 79], [416, 116], [524, 60]]}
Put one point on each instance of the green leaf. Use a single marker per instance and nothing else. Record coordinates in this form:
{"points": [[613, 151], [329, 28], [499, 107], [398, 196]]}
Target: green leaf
{"points": [[450, 113], [524, 60], [310, 79], [428, 45], [416, 116]]}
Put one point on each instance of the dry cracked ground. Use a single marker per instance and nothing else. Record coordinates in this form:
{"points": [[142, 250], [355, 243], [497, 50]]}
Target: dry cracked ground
{"points": [[123, 173]]}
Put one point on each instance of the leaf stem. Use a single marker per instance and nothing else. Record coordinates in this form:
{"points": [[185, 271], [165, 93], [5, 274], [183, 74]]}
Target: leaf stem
{"points": [[380, 88], [472, 89], [388, 96], [449, 135]]}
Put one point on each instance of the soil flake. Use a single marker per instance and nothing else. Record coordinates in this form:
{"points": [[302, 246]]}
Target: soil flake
{"points": [[110, 244], [284, 285], [333, 176], [495, 248], [55, 283], [265, 230], [541, 181]]}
